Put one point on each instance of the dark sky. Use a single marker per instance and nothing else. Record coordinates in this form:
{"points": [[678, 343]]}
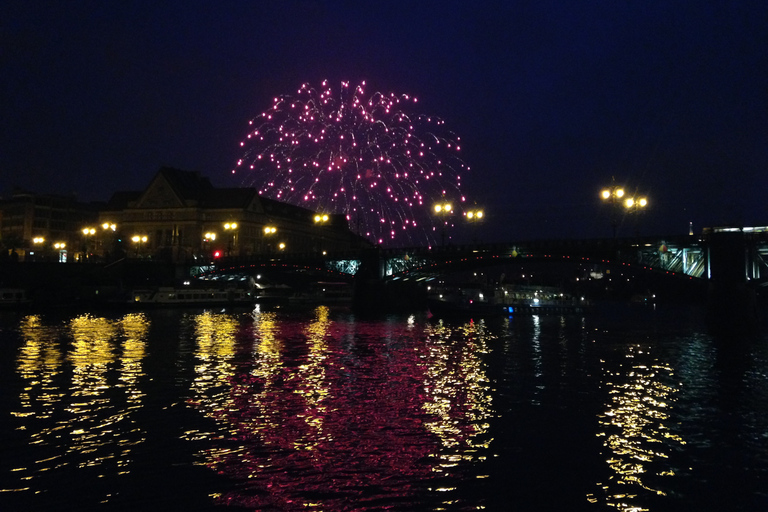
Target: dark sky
{"points": [[551, 98]]}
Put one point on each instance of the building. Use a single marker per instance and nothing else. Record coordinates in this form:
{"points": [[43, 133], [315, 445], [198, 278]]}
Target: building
{"points": [[36, 227], [181, 217]]}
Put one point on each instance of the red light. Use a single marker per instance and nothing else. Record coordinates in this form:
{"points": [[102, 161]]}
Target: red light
{"points": [[217, 254]]}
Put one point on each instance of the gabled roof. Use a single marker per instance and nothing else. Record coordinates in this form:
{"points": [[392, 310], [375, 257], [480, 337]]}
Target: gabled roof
{"points": [[177, 188], [188, 185]]}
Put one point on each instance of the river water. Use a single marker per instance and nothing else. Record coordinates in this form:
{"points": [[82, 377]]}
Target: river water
{"points": [[625, 409]]}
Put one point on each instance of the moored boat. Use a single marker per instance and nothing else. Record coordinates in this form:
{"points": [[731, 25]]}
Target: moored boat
{"points": [[190, 296]]}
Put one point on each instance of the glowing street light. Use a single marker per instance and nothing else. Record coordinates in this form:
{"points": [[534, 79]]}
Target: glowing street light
{"points": [[270, 230], [138, 240], [231, 227], [474, 215], [613, 195], [321, 218], [632, 204], [443, 209]]}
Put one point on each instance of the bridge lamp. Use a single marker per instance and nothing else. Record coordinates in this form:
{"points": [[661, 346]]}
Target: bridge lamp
{"points": [[109, 225], [474, 215], [635, 204], [612, 193], [60, 245], [270, 230], [443, 208], [89, 231], [209, 237], [230, 225], [321, 218]]}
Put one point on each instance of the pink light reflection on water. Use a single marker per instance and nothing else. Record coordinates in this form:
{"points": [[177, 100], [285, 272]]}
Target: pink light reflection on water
{"points": [[339, 419]]}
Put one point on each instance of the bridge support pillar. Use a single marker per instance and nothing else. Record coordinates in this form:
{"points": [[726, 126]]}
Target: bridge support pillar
{"points": [[731, 300]]}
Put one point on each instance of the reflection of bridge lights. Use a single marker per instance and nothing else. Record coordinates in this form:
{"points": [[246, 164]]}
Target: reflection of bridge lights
{"points": [[634, 432], [99, 428]]}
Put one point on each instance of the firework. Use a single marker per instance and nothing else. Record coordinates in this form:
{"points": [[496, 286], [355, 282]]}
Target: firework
{"points": [[372, 158]]}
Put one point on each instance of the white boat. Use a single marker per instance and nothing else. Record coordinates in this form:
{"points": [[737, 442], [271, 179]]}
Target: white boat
{"points": [[180, 296], [14, 297]]}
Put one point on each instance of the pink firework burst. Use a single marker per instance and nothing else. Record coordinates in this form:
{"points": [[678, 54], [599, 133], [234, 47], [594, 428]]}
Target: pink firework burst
{"points": [[373, 158]]}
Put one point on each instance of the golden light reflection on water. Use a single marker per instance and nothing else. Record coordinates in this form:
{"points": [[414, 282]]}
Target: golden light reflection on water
{"points": [[376, 405], [215, 338], [637, 439], [73, 378], [313, 383], [458, 394]]}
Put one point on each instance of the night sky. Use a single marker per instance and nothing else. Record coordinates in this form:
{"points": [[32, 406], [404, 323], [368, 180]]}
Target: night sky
{"points": [[551, 98]]}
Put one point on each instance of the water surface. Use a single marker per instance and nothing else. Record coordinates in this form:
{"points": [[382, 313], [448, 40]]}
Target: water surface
{"points": [[627, 409]]}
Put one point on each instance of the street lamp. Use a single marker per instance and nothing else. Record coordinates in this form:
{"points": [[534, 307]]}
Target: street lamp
{"points": [[613, 195], [443, 209], [208, 237], [632, 205], [635, 205], [473, 217], [87, 234], [61, 257], [232, 228], [138, 240], [269, 232]]}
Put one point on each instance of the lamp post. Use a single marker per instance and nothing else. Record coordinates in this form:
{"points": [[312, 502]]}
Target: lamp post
{"points": [[109, 241], [208, 237], [61, 253], [138, 240], [473, 217], [88, 234], [635, 205], [269, 232], [39, 241], [443, 210], [231, 227], [320, 219], [613, 196], [617, 197]]}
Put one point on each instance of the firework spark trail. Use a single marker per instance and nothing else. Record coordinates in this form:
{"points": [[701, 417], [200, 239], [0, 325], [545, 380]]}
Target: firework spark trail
{"points": [[370, 158]]}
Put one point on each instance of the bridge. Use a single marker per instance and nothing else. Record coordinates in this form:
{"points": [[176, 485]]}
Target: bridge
{"points": [[734, 255]]}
